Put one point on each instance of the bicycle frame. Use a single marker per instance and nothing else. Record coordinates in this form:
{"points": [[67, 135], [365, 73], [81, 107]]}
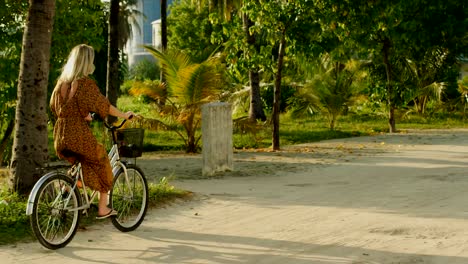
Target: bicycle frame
{"points": [[115, 162], [60, 197]]}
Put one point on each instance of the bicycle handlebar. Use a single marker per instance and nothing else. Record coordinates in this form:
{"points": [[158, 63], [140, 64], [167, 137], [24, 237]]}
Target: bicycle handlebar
{"points": [[110, 127]]}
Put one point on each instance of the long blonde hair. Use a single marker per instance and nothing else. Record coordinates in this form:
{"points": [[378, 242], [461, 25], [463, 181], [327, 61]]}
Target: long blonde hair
{"points": [[80, 63]]}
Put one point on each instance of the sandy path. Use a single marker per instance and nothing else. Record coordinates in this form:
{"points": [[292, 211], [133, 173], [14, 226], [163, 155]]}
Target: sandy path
{"points": [[387, 199]]}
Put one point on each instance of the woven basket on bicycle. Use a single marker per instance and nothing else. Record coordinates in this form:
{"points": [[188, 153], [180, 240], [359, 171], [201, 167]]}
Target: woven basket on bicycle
{"points": [[130, 142]]}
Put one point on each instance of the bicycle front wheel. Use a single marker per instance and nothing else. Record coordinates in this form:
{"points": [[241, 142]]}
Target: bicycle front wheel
{"points": [[54, 219], [129, 197]]}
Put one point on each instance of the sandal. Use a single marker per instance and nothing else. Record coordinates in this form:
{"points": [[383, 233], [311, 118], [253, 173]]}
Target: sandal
{"points": [[112, 212]]}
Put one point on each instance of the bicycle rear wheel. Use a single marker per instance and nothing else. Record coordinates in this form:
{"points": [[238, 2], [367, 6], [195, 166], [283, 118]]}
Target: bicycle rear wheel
{"points": [[129, 196], [53, 221]]}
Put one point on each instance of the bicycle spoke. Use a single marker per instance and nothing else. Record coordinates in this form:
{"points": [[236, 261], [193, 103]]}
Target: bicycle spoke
{"points": [[54, 221], [128, 197]]}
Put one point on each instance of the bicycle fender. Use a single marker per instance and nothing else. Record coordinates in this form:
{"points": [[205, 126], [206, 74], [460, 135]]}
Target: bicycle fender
{"points": [[35, 189], [117, 166]]}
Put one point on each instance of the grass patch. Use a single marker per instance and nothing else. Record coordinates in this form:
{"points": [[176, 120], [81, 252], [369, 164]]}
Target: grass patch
{"points": [[162, 140], [14, 224], [315, 128]]}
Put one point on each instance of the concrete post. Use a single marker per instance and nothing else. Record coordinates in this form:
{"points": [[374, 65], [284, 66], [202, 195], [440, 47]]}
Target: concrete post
{"points": [[217, 138]]}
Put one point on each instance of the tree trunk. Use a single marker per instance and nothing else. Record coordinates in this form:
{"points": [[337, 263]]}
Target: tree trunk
{"points": [[332, 122], [388, 71], [211, 5], [256, 107], [163, 3], [163, 24], [6, 137], [191, 129], [30, 144], [277, 94], [113, 82], [255, 110]]}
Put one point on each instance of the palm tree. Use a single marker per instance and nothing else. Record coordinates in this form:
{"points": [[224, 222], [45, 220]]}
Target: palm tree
{"points": [[163, 36], [423, 76], [189, 85], [463, 89], [128, 21], [30, 145], [122, 16], [113, 82], [331, 90]]}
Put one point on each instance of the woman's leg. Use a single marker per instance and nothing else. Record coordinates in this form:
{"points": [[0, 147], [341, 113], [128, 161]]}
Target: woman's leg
{"points": [[98, 175], [103, 201]]}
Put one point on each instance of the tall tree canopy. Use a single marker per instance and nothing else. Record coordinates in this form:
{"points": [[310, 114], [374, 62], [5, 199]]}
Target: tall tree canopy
{"points": [[283, 24], [386, 30]]}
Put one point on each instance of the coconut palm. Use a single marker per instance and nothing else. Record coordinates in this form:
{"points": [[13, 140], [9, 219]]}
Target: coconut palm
{"points": [[189, 85], [113, 63], [423, 76], [128, 21], [333, 87], [463, 89], [30, 141], [122, 16]]}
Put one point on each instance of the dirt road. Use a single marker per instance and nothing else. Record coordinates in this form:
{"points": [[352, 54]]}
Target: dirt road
{"points": [[399, 198]]}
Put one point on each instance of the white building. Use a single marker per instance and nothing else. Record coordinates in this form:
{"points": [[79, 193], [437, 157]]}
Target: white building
{"points": [[150, 25]]}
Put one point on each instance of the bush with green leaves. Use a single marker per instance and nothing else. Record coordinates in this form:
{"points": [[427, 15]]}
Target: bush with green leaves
{"points": [[332, 88], [145, 69], [190, 30]]}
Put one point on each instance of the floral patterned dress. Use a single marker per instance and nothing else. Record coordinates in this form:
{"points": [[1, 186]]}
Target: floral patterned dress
{"points": [[73, 138]]}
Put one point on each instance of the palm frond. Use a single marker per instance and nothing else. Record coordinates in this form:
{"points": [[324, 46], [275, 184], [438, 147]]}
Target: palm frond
{"points": [[189, 85], [433, 90], [171, 61], [153, 89], [197, 84]]}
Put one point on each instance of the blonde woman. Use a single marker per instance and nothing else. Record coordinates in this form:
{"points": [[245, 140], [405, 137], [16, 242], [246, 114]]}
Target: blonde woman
{"points": [[73, 98]]}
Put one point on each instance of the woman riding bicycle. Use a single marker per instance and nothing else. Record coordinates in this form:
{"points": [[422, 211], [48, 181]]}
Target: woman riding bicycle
{"points": [[74, 97]]}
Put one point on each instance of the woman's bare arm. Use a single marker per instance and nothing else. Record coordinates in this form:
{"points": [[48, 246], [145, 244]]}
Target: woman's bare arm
{"points": [[113, 111]]}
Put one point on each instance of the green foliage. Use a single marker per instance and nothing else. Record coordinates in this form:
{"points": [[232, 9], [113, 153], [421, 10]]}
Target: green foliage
{"points": [[144, 70], [288, 92], [14, 224], [189, 85], [388, 31], [189, 30], [163, 191], [79, 22], [463, 88], [332, 89], [295, 19], [12, 19], [424, 78], [240, 57]]}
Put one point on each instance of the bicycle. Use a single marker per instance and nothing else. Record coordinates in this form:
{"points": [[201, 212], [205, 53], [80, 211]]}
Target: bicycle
{"points": [[56, 204]]}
